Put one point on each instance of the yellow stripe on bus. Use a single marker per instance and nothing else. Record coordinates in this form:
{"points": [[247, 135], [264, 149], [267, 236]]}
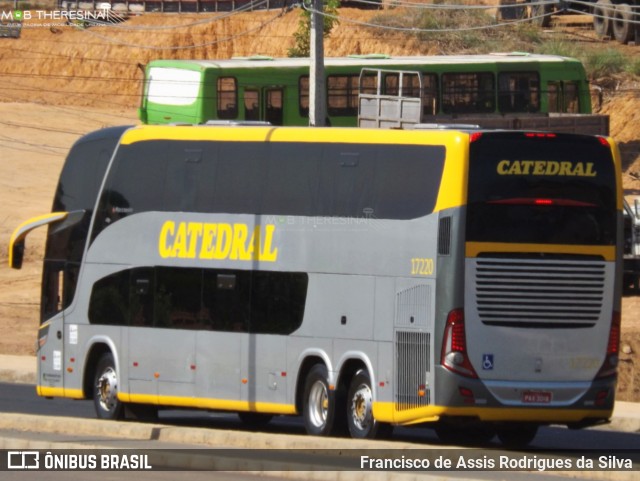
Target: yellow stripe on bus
{"points": [[49, 391], [289, 134], [207, 403], [386, 412], [474, 249]]}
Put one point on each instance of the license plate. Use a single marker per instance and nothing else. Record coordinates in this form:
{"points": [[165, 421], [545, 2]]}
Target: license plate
{"points": [[536, 397]]}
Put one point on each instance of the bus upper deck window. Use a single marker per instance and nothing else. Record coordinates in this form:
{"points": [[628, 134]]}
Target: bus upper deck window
{"points": [[227, 98]]}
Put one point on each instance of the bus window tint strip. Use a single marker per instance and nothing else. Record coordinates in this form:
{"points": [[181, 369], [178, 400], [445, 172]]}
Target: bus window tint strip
{"points": [[570, 185], [201, 299], [297, 179]]}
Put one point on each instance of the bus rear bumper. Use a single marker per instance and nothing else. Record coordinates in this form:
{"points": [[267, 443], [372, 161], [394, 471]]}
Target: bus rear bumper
{"points": [[576, 404]]}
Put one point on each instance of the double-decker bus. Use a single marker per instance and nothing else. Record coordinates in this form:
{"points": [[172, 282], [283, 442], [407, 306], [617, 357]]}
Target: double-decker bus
{"points": [[359, 278], [277, 90]]}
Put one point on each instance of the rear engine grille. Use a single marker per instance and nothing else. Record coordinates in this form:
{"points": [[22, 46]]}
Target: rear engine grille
{"points": [[412, 356], [539, 293]]}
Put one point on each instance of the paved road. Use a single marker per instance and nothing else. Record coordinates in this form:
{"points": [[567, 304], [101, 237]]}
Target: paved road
{"points": [[22, 398]]}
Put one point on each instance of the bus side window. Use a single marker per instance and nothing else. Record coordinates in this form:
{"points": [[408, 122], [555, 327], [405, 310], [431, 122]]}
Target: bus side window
{"points": [[570, 94], [303, 95], [563, 97], [553, 97], [109, 302], [430, 94], [179, 299], [227, 296], [468, 93], [518, 92], [342, 95], [227, 98], [251, 105], [142, 297], [59, 283]]}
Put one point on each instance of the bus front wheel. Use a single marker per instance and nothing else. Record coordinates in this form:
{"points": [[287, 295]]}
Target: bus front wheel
{"points": [[360, 418], [105, 389], [319, 403]]}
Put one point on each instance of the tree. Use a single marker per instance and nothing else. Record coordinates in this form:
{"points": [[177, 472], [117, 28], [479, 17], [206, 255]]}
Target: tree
{"points": [[302, 47]]}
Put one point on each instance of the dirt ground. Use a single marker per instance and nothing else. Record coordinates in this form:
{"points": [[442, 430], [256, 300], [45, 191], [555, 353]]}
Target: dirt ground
{"points": [[59, 83]]}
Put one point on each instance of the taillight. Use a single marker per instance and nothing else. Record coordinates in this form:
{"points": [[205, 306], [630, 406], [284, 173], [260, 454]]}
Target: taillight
{"points": [[610, 364], [475, 137], [454, 345], [540, 135]]}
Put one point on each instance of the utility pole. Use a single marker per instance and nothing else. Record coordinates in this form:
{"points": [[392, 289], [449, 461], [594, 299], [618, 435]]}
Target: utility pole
{"points": [[317, 96]]}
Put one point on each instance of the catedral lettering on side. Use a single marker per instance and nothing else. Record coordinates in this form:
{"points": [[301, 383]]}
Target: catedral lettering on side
{"points": [[546, 167], [217, 241]]}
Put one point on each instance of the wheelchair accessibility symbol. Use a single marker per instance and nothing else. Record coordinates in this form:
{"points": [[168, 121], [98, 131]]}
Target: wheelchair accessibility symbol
{"points": [[487, 362]]}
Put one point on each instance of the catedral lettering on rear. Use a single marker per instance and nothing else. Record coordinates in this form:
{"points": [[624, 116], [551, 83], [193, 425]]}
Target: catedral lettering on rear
{"points": [[217, 241], [546, 167]]}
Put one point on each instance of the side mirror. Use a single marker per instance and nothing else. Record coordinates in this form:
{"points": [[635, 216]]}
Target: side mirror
{"points": [[17, 254], [17, 242]]}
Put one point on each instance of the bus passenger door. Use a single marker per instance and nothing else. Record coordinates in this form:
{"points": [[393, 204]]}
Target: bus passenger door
{"points": [[264, 104], [251, 104], [162, 336], [51, 333]]}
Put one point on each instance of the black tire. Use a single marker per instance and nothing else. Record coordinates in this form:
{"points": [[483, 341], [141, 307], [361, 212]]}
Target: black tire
{"points": [[603, 13], [105, 389], [319, 403], [255, 420], [623, 28], [360, 420], [518, 435]]}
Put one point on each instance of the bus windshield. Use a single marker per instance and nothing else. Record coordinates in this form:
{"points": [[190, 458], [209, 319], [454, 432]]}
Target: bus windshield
{"points": [[541, 189]]}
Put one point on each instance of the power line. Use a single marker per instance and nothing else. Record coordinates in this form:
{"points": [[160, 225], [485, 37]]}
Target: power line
{"points": [[341, 18], [251, 6], [185, 47]]}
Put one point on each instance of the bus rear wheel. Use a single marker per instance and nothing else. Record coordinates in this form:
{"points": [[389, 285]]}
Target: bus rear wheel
{"points": [[319, 406], [105, 389], [360, 418]]}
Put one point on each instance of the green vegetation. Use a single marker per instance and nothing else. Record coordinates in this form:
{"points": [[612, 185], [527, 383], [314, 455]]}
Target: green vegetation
{"points": [[476, 32], [302, 47]]}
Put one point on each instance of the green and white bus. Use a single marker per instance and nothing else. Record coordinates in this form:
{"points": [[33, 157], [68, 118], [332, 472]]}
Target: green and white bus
{"points": [[277, 90], [359, 278]]}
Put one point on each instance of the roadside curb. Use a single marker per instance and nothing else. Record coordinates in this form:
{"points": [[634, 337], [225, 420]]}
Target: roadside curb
{"points": [[198, 446]]}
